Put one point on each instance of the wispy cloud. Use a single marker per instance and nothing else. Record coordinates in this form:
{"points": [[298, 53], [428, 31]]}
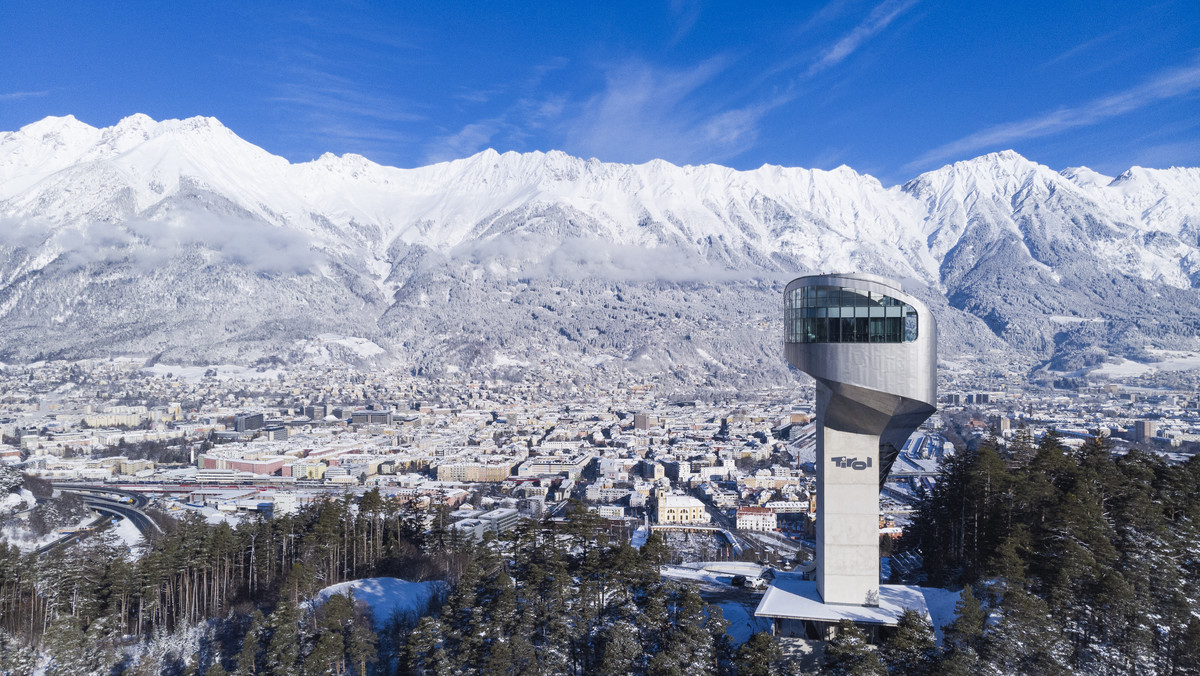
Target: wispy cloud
{"points": [[1082, 47], [510, 128], [828, 12], [1163, 85], [684, 14], [808, 64], [336, 23], [646, 111], [467, 141], [319, 89], [327, 109], [17, 96], [475, 96], [879, 19]]}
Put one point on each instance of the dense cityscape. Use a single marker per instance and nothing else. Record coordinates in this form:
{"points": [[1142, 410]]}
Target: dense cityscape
{"points": [[726, 486]]}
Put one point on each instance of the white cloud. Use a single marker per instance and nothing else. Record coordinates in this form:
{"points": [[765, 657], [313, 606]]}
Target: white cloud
{"points": [[876, 21], [222, 239], [684, 14], [17, 96], [469, 140], [647, 112], [1163, 85]]}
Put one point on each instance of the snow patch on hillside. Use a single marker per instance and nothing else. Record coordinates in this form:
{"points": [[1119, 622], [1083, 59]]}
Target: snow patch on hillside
{"points": [[128, 533], [359, 346], [389, 597], [941, 604], [1167, 361], [14, 502], [194, 374]]}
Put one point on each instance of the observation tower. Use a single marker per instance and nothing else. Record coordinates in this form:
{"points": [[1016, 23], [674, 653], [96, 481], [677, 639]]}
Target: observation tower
{"points": [[873, 351]]}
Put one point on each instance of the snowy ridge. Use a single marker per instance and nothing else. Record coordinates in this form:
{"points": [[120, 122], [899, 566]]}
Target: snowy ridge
{"points": [[179, 238]]}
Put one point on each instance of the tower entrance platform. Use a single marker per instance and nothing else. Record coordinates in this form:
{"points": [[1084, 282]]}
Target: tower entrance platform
{"points": [[797, 611]]}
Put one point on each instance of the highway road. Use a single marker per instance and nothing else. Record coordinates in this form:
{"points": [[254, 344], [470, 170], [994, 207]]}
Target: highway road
{"points": [[122, 510], [68, 539], [107, 503]]}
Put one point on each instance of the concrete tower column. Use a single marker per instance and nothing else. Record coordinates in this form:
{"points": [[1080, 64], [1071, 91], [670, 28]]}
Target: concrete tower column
{"points": [[872, 350]]}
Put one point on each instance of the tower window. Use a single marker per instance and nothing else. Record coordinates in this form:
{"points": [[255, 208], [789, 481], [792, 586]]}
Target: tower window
{"points": [[831, 314]]}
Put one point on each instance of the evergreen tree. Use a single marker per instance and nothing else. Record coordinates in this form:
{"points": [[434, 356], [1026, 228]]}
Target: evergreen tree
{"points": [[65, 642], [1021, 448], [654, 551], [426, 649], [333, 621], [965, 633], [758, 656], [362, 646], [1026, 640], [327, 657], [247, 660], [1187, 655], [16, 657], [849, 654], [283, 648], [78, 652], [961, 662], [619, 649], [912, 649]]}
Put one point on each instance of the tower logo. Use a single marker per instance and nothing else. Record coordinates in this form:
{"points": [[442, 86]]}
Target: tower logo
{"points": [[853, 463]]}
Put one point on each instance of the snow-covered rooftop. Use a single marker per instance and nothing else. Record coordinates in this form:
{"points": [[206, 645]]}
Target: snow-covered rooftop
{"points": [[790, 597]]}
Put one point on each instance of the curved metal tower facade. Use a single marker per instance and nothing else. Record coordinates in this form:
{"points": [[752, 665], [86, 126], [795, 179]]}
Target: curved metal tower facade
{"points": [[873, 351]]}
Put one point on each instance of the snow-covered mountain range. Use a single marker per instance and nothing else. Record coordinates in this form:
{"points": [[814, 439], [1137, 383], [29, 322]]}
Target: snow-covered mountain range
{"points": [[181, 241]]}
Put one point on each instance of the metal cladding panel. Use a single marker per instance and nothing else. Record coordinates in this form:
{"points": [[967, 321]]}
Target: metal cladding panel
{"points": [[906, 370]]}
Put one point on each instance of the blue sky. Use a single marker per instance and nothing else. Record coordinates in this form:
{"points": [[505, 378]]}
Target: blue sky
{"points": [[890, 88]]}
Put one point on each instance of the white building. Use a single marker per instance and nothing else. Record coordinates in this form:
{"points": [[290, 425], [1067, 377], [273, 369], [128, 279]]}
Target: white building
{"points": [[756, 518]]}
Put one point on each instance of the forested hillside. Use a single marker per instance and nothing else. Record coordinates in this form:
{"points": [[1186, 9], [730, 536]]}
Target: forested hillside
{"points": [[210, 598], [88, 604], [1072, 562], [1085, 562]]}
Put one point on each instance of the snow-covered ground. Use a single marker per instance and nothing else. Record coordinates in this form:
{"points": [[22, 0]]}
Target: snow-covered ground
{"points": [[15, 502], [701, 545], [727, 567], [941, 603], [639, 537], [742, 622], [1165, 360], [18, 534], [128, 533], [317, 351], [194, 374], [695, 575], [211, 514], [775, 542], [389, 596]]}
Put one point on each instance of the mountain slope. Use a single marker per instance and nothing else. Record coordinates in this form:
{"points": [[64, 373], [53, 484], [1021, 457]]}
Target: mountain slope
{"points": [[181, 240]]}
